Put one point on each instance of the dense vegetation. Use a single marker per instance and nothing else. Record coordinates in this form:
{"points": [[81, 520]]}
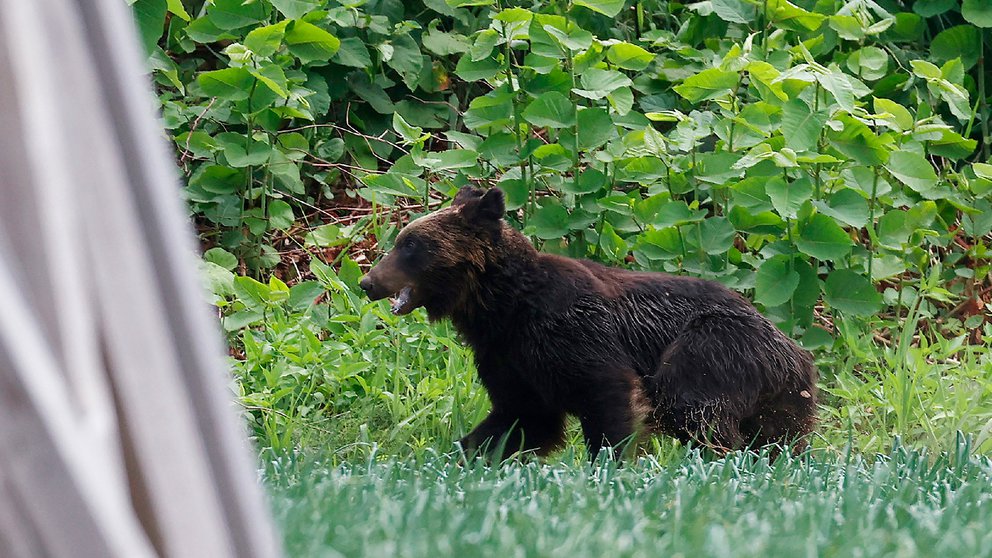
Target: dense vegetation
{"points": [[826, 158]]}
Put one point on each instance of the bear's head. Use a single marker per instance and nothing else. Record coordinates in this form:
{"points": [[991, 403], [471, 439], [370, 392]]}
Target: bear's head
{"points": [[437, 259]]}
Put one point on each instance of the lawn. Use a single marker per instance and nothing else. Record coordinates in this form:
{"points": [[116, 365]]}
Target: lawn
{"points": [[906, 503]]}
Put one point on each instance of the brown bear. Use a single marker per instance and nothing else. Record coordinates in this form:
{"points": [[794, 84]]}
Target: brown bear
{"points": [[619, 349]]}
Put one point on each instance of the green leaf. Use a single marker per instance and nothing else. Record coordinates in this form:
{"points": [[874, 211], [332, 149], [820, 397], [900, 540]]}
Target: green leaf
{"points": [[871, 63], [303, 295], [410, 134], [551, 110], [230, 84], [253, 294], [234, 14], [612, 245], [960, 41], [467, 3], [930, 8], [241, 151], [273, 77], [295, 9], [775, 281], [801, 125], [978, 12], [597, 83], [353, 53], [590, 180], [858, 142], [609, 8], [629, 56], [493, 109], [595, 128], [221, 257], [265, 41], [708, 84], [838, 84], [470, 70], [982, 170], [455, 159], [176, 7], [393, 184], [550, 221], [823, 239], [787, 198], [851, 293], [734, 11], [310, 43], [150, 17], [784, 12], [718, 235], [900, 116], [677, 213], [847, 26], [407, 59], [622, 100], [324, 236], [663, 244], [219, 281], [443, 43], [912, 170], [847, 206]]}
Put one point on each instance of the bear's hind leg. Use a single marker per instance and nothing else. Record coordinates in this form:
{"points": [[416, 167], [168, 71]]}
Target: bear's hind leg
{"points": [[503, 433], [706, 423], [710, 377]]}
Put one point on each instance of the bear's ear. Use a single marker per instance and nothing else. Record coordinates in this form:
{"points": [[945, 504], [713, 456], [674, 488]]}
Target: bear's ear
{"points": [[486, 209], [466, 194]]}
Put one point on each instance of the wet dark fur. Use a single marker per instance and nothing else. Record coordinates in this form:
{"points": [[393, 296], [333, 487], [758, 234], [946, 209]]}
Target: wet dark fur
{"points": [[618, 349]]}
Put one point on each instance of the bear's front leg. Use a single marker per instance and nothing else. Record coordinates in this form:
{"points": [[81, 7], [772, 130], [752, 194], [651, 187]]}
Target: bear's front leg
{"points": [[505, 432]]}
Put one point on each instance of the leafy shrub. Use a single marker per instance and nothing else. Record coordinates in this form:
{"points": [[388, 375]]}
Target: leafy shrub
{"points": [[801, 152]]}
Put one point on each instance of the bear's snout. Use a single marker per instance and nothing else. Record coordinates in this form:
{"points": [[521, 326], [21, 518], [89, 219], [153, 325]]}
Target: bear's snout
{"points": [[368, 285]]}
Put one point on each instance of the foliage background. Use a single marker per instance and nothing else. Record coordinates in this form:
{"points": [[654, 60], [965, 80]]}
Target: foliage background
{"points": [[825, 158]]}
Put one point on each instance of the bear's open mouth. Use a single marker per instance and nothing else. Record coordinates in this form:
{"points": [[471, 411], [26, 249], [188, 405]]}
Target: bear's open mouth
{"points": [[403, 302]]}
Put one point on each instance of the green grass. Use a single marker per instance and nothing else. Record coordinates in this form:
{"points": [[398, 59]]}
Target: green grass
{"points": [[905, 504]]}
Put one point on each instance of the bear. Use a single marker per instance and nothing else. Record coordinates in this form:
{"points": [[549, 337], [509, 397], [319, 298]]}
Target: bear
{"points": [[627, 352]]}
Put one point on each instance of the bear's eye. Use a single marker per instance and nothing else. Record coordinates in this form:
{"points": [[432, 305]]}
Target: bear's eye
{"points": [[409, 244]]}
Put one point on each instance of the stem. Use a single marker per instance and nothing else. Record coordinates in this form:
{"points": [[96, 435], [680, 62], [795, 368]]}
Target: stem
{"points": [[764, 28], [575, 115], [981, 95], [702, 253], [518, 129], [871, 221]]}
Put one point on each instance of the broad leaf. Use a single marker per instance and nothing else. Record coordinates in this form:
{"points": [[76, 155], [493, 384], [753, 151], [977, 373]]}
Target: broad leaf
{"points": [[851, 293], [775, 281], [913, 171], [977, 12], [823, 239], [609, 8], [708, 84], [629, 56], [551, 110], [231, 84], [801, 125], [295, 9], [310, 43]]}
